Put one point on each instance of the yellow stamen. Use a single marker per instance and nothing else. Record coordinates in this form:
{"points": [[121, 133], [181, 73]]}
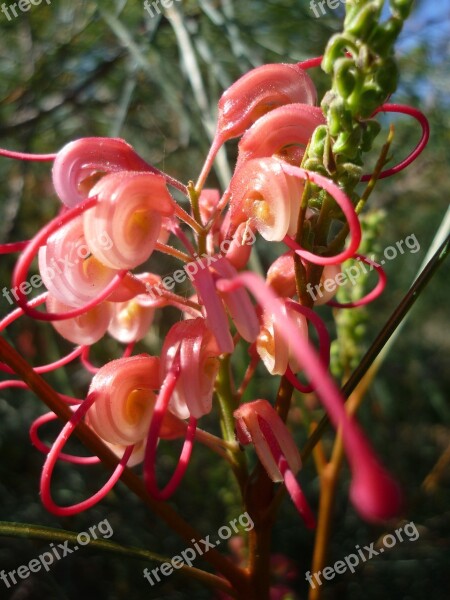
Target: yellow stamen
{"points": [[139, 225], [136, 405]]}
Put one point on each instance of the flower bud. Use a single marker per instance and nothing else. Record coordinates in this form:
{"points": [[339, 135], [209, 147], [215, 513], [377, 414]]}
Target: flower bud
{"points": [[364, 20]]}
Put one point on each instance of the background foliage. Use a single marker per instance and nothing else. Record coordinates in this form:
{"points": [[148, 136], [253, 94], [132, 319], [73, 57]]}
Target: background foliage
{"points": [[75, 69]]}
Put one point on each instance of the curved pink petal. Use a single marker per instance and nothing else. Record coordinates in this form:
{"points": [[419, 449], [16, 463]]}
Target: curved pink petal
{"points": [[68, 270], [280, 131], [254, 94], [22, 267], [80, 162], [259, 91], [86, 329], [216, 316], [238, 304], [124, 399], [123, 227], [197, 351], [266, 195], [129, 321]]}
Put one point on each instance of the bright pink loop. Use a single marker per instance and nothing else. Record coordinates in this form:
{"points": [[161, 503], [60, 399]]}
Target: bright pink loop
{"points": [[25, 156], [84, 357], [421, 118], [37, 443], [347, 208], [377, 291], [13, 247], [54, 454], [65, 360], [18, 312], [86, 362], [290, 481], [24, 262], [13, 383], [16, 383], [159, 413], [324, 344], [310, 63]]}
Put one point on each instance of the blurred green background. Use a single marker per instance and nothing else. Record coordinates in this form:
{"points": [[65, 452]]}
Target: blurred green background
{"points": [[76, 69]]}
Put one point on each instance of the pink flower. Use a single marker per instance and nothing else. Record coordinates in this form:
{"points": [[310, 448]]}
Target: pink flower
{"points": [[86, 329], [263, 194], [82, 162], [194, 347], [129, 212], [259, 91], [259, 424], [69, 271], [273, 347], [284, 131], [254, 94], [130, 321]]}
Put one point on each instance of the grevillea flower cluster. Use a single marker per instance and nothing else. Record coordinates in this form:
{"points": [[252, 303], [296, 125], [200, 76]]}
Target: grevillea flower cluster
{"points": [[289, 187]]}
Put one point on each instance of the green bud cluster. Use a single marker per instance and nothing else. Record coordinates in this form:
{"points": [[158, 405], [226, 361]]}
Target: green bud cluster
{"points": [[364, 74]]}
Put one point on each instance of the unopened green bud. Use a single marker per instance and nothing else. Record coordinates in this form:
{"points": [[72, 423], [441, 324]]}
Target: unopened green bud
{"points": [[387, 76], [335, 49], [317, 143], [364, 21], [384, 36], [352, 9], [371, 98], [314, 164], [346, 76], [338, 117], [401, 7], [360, 331], [349, 174], [370, 131], [347, 143]]}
